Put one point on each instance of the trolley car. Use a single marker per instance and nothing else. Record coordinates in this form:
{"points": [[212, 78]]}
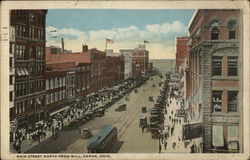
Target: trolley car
{"points": [[103, 141]]}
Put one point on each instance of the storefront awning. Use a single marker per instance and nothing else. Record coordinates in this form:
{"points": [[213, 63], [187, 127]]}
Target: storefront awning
{"points": [[25, 71], [60, 110], [19, 73], [38, 101]]}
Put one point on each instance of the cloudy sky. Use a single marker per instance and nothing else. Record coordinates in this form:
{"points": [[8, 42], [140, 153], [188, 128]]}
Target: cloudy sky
{"points": [[127, 28]]}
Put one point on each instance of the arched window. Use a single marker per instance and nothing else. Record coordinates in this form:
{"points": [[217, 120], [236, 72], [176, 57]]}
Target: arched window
{"points": [[232, 29], [215, 33], [215, 30]]}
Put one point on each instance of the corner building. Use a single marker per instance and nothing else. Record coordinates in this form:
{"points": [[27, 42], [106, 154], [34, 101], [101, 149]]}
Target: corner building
{"points": [[27, 45], [215, 92]]}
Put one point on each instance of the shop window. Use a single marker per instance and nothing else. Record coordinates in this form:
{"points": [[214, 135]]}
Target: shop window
{"points": [[232, 101], [232, 66], [217, 101], [217, 136], [217, 65]]}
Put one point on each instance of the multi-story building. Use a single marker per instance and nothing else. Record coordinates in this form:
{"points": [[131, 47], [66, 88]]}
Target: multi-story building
{"points": [[59, 87], [82, 69], [127, 53], [12, 74], [27, 47], [97, 69], [214, 72], [140, 59], [181, 51], [114, 67]]}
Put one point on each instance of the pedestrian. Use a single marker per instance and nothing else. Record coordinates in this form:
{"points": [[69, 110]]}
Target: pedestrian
{"points": [[162, 138], [165, 144], [142, 129], [174, 145], [179, 138]]}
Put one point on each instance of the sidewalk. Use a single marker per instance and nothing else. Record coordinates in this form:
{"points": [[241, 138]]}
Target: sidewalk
{"points": [[29, 144], [177, 133]]}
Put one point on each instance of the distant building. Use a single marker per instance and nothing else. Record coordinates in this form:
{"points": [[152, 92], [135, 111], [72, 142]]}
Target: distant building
{"points": [[140, 61], [182, 49], [27, 62], [114, 67], [213, 74], [127, 53], [98, 69]]}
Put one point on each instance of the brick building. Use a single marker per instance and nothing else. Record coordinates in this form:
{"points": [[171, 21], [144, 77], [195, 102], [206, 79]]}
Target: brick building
{"points": [[140, 61], [58, 86], [98, 59], [82, 62], [27, 61], [213, 74], [181, 51], [114, 68]]}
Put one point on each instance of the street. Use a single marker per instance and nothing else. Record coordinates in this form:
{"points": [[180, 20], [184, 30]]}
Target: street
{"points": [[130, 136]]}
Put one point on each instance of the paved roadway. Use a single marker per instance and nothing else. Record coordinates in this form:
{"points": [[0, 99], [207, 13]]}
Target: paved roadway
{"points": [[130, 136]]}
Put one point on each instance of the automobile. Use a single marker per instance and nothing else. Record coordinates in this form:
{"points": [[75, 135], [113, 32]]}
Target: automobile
{"points": [[143, 121], [150, 98], [144, 109], [86, 133], [74, 124], [121, 107], [136, 91]]}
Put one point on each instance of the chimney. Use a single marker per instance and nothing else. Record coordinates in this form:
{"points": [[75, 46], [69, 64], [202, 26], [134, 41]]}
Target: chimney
{"points": [[84, 48], [62, 46]]}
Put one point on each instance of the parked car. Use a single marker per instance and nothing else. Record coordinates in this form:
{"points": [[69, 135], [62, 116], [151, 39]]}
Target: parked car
{"points": [[150, 98], [144, 109], [74, 124], [86, 133], [121, 107]]}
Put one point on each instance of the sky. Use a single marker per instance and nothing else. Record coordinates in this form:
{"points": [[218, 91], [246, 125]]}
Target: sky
{"points": [[127, 28]]}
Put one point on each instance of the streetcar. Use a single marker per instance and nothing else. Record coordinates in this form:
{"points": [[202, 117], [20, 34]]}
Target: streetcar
{"points": [[103, 141]]}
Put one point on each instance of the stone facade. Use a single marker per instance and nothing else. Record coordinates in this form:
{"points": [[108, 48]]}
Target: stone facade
{"points": [[214, 71]]}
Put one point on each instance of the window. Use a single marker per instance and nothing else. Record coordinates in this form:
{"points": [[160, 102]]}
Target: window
{"points": [[31, 18], [232, 101], [47, 84], [12, 80], [232, 29], [232, 66], [51, 83], [217, 101], [217, 65], [215, 33], [11, 96]]}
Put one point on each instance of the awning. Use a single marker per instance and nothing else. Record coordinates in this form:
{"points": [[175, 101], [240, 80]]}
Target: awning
{"points": [[38, 101], [22, 71], [218, 139], [19, 73], [60, 110], [25, 71]]}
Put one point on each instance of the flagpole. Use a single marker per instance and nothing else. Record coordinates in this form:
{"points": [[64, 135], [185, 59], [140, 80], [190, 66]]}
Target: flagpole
{"points": [[106, 45]]}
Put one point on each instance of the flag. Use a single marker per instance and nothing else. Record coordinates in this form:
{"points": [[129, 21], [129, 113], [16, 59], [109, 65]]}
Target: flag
{"points": [[146, 41], [109, 40]]}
